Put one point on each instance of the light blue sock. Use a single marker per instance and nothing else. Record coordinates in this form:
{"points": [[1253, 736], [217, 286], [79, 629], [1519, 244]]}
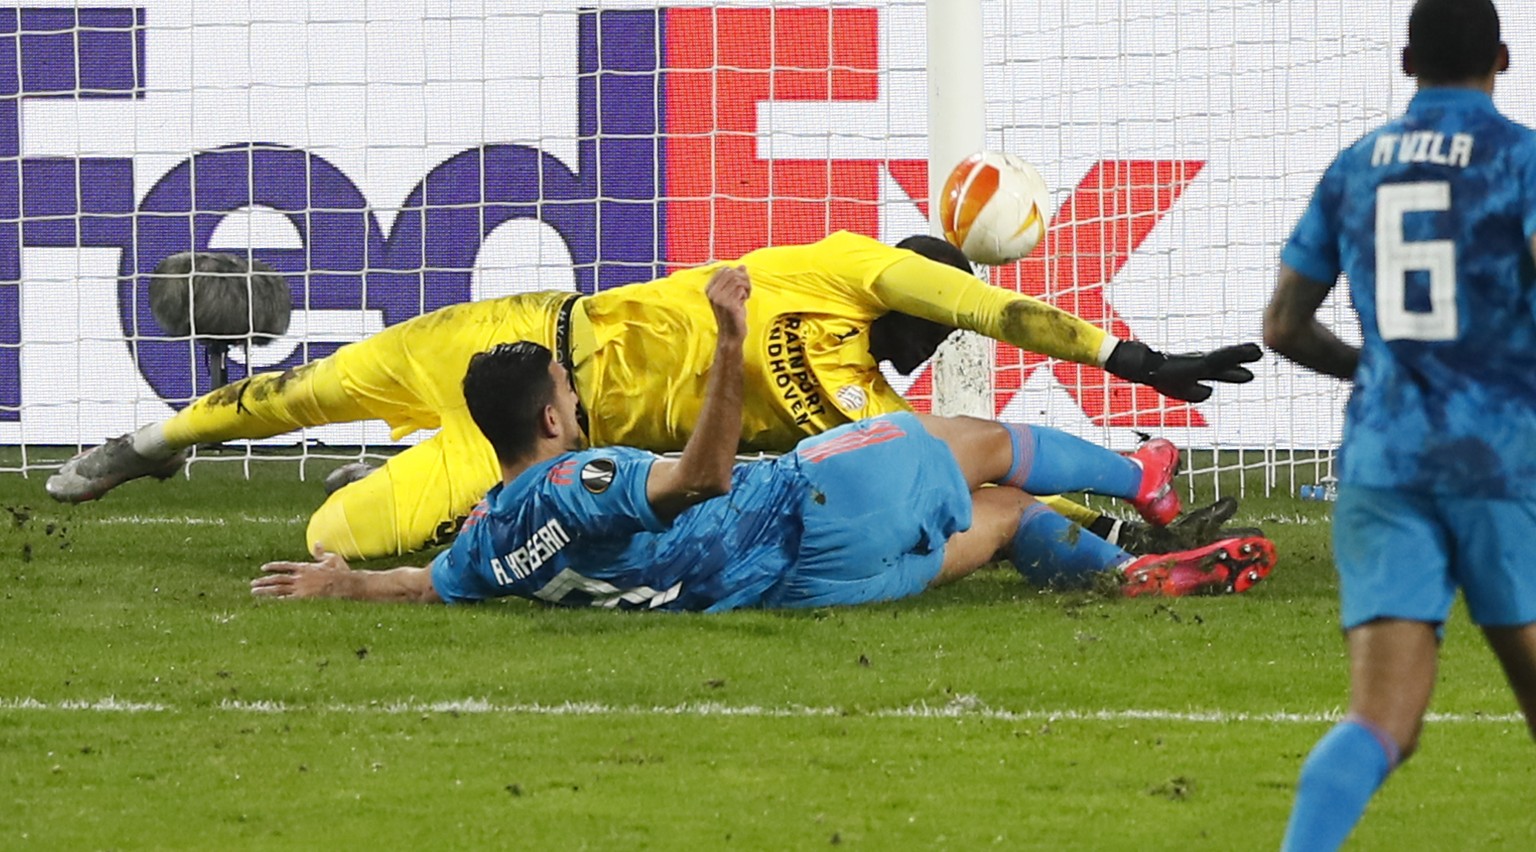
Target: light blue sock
{"points": [[1050, 550], [1049, 461], [1341, 774]]}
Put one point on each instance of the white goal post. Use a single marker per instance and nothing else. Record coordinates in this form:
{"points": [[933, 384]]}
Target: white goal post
{"points": [[957, 127], [391, 158]]}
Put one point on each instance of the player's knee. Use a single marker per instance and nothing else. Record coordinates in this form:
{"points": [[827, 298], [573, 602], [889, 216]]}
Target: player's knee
{"points": [[365, 521], [358, 522], [330, 530], [999, 512], [992, 456]]}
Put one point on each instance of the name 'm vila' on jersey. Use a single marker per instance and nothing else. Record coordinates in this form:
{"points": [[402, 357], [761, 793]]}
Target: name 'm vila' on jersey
{"points": [[1431, 217]]}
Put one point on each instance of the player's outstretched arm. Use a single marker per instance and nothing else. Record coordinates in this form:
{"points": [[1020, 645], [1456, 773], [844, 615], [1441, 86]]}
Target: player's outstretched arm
{"points": [[329, 576], [1185, 376], [704, 469], [946, 295], [1292, 329]]}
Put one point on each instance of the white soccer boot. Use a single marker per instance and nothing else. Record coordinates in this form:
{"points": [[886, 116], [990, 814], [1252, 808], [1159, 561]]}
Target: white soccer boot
{"points": [[96, 471]]}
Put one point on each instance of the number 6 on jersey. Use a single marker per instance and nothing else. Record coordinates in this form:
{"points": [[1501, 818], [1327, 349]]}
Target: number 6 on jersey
{"points": [[1397, 256]]}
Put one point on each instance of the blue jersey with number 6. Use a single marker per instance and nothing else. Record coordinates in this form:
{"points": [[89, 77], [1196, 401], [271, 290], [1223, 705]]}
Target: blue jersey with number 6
{"points": [[1431, 217]]}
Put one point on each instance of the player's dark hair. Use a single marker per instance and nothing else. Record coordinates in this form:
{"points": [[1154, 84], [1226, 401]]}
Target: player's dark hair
{"points": [[902, 339], [1453, 41], [506, 388], [937, 249]]}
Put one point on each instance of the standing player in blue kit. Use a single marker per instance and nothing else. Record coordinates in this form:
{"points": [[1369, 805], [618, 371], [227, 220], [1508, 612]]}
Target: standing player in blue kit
{"points": [[1432, 217]]}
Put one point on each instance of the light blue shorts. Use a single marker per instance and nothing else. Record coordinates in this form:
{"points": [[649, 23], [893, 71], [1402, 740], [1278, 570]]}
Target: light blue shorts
{"points": [[882, 497], [1403, 554]]}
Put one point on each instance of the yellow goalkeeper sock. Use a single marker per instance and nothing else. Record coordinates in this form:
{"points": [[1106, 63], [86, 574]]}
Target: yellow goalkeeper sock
{"points": [[1074, 511]]}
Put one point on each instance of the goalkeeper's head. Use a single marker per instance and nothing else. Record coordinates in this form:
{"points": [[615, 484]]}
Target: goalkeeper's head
{"points": [[523, 401], [902, 339], [1454, 43]]}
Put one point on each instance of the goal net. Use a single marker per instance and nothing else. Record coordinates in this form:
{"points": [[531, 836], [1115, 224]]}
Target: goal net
{"points": [[390, 159]]}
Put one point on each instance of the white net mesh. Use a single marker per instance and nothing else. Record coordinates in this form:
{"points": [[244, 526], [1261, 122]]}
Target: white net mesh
{"points": [[392, 158], [1183, 138]]}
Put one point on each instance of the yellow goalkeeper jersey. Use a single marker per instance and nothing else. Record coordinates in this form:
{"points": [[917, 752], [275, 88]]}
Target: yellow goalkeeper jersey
{"points": [[642, 352]]}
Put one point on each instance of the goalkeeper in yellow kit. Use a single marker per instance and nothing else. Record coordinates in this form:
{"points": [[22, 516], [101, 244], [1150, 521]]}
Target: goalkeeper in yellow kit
{"points": [[823, 315]]}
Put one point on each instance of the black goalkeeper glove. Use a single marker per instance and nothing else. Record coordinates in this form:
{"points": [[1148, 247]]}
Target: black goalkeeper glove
{"points": [[1182, 376]]}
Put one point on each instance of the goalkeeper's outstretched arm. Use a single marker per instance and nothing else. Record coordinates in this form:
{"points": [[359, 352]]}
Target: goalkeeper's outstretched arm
{"points": [[943, 294]]}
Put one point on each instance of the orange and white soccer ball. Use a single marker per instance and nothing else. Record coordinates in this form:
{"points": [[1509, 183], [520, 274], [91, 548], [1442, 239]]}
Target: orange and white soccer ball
{"points": [[994, 207]]}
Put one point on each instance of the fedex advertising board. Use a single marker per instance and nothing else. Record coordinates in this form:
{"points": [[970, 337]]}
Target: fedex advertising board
{"points": [[437, 152]]}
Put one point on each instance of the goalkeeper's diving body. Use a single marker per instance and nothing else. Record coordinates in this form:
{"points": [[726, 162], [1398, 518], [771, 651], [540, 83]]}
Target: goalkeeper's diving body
{"points": [[823, 316], [869, 511]]}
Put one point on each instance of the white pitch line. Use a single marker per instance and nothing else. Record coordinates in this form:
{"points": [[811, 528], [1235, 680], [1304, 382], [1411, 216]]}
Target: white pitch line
{"points": [[104, 705], [193, 520], [226, 520], [963, 708]]}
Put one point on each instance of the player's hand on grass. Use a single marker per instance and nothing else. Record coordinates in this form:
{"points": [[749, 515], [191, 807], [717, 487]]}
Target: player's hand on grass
{"points": [[1186, 376], [325, 577], [728, 291]]}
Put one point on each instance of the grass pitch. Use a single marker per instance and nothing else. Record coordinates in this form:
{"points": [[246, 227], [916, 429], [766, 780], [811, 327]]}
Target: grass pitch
{"points": [[147, 701]]}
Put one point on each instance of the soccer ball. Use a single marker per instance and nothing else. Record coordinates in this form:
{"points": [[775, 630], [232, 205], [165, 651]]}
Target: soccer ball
{"points": [[994, 207]]}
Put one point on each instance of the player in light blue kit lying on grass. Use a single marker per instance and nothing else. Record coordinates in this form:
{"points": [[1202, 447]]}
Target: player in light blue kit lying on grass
{"points": [[870, 511]]}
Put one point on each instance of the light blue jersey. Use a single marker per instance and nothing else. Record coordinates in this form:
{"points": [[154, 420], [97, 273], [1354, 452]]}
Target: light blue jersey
{"points": [[577, 530], [860, 513], [1431, 218]]}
